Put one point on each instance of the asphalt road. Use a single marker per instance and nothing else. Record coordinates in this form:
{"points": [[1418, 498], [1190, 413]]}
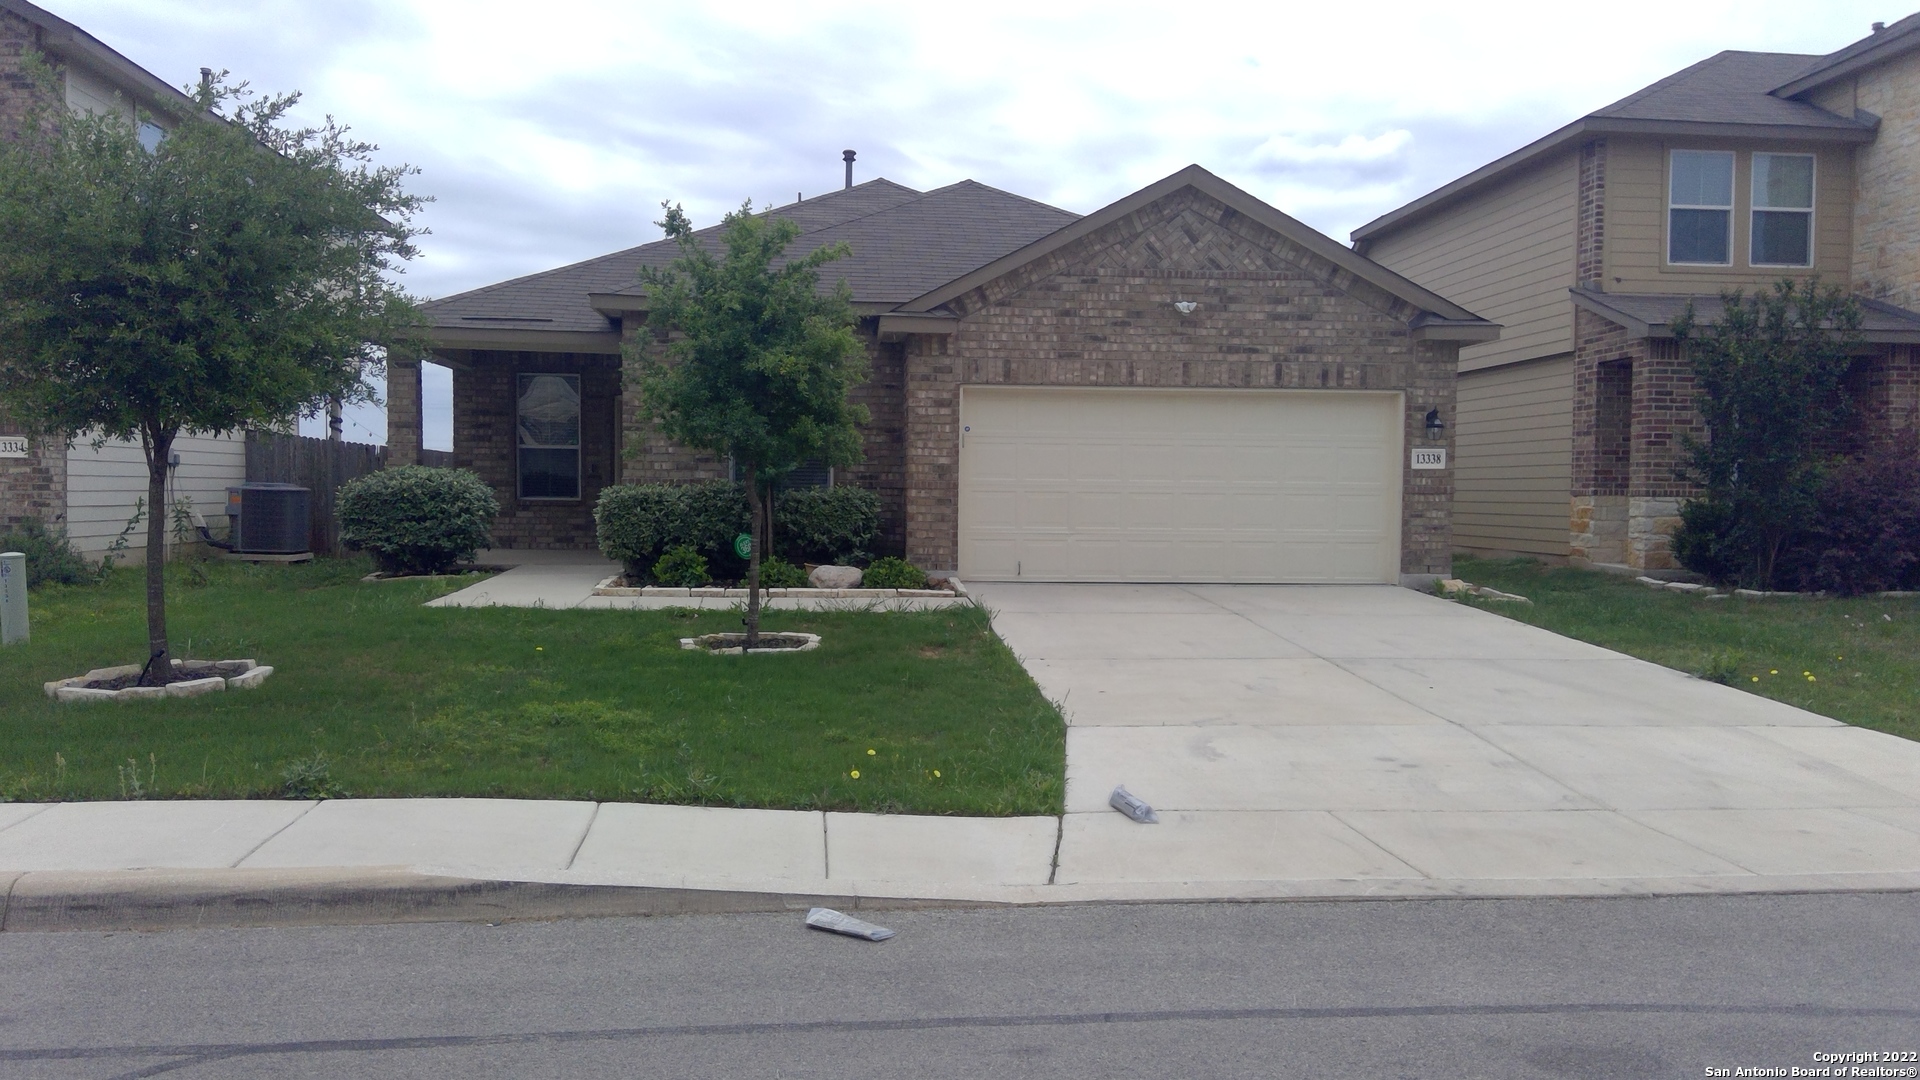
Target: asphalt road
{"points": [[1470, 988]]}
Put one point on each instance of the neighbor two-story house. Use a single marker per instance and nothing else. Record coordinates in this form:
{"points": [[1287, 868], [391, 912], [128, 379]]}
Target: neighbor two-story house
{"points": [[1185, 385], [1735, 173], [92, 491]]}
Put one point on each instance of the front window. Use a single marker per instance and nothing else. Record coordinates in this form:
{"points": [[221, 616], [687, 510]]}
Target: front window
{"points": [[549, 436], [1700, 207], [1782, 210]]}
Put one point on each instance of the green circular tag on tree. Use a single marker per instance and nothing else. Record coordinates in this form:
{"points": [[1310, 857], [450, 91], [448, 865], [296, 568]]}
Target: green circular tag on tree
{"points": [[743, 546]]}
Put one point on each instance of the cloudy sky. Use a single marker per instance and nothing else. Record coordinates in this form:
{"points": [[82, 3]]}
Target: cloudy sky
{"points": [[550, 131]]}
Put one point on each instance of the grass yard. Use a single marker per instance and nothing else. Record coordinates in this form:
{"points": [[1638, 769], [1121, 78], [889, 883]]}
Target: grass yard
{"points": [[375, 695], [1863, 654]]}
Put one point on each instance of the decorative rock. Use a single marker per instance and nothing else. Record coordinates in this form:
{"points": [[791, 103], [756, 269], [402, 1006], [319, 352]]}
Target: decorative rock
{"points": [[835, 577], [1651, 582], [1452, 585], [82, 693], [102, 674], [250, 679], [140, 693], [196, 687], [1684, 586], [734, 644]]}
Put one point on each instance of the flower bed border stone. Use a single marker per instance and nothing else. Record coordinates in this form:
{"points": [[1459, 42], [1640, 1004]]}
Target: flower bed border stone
{"points": [[212, 677], [609, 588], [707, 643]]}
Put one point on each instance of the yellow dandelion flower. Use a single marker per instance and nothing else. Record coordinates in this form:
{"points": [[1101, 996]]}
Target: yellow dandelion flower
{"points": [[870, 753], [1775, 671], [539, 648], [1756, 678], [1808, 674], [1812, 679], [936, 774], [855, 774]]}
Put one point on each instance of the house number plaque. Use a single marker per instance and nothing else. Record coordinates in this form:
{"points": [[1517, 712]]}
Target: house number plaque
{"points": [[1430, 457], [13, 446]]}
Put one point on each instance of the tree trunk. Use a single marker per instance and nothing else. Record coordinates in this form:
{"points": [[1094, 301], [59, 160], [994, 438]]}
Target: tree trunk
{"points": [[756, 507], [159, 667]]}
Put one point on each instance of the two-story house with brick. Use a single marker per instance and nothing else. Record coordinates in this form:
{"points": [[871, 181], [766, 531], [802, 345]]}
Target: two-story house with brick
{"points": [[1742, 170], [1185, 385], [92, 491]]}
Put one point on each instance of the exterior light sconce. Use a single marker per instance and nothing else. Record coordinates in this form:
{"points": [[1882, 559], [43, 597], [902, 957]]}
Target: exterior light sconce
{"points": [[1185, 307], [1434, 424]]}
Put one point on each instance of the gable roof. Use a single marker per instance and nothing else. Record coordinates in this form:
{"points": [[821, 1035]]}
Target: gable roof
{"points": [[1882, 45], [1437, 310], [74, 45], [1728, 94]]}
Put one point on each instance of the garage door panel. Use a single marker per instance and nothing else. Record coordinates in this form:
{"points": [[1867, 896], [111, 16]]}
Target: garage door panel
{"points": [[1156, 485]]}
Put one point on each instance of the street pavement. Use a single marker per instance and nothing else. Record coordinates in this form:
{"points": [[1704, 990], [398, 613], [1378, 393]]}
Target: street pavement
{"points": [[1542, 988]]}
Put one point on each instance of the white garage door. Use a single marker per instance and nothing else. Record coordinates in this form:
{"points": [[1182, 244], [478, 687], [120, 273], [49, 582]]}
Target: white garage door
{"points": [[1062, 484]]}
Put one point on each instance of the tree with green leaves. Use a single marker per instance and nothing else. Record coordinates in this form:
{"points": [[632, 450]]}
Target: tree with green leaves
{"points": [[758, 361], [236, 273], [1768, 387]]}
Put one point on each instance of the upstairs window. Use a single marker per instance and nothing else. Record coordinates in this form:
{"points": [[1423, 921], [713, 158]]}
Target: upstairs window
{"points": [[151, 135], [1700, 207], [548, 413], [1782, 210]]}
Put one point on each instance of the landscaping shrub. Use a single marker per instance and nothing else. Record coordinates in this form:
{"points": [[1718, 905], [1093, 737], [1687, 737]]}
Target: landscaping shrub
{"points": [[682, 567], [892, 573], [1866, 531], [51, 557], [416, 520], [826, 525], [778, 573], [637, 523]]}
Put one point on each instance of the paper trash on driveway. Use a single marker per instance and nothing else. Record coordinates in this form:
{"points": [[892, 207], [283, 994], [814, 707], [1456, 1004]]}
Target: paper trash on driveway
{"points": [[1129, 804], [825, 918]]}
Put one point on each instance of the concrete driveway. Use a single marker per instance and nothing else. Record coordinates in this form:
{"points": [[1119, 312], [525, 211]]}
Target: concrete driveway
{"points": [[1295, 737]]}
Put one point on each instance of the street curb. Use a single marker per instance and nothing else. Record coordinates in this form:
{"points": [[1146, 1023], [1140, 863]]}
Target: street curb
{"points": [[41, 902]]}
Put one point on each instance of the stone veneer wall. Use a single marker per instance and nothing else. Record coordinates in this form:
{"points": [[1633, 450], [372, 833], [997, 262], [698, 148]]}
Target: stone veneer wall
{"points": [[1098, 312], [1886, 244], [483, 440]]}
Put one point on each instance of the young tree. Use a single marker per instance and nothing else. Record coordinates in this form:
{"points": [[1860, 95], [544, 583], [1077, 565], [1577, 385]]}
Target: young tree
{"points": [[758, 361], [1767, 381], [235, 273]]}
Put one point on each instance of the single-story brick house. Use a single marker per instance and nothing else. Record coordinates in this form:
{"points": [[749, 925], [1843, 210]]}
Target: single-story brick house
{"points": [[1187, 385]]}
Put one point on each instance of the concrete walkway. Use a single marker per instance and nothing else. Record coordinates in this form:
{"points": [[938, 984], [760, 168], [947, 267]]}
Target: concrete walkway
{"points": [[1298, 742], [1345, 738]]}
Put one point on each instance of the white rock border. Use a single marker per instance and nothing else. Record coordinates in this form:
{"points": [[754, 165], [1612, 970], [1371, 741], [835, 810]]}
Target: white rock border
{"points": [[954, 589], [704, 643], [246, 676]]}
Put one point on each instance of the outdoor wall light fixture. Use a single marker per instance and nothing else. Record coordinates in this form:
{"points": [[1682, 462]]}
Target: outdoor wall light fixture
{"points": [[1185, 307], [1434, 426]]}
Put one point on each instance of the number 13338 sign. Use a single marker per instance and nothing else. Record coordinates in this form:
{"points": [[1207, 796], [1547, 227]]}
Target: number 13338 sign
{"points": [[1430, 457]]}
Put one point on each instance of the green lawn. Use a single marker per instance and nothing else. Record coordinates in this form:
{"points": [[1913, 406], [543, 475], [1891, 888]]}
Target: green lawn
{"points": [[1863, 654], [375, 695]]}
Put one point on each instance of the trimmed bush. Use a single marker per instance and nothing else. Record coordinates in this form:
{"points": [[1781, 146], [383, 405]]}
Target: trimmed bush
{"points": [[826, 525], [1866, 531], [778, 573], [682, 567], [637, 523], [892, 573], [51, 558], [416, 520]]}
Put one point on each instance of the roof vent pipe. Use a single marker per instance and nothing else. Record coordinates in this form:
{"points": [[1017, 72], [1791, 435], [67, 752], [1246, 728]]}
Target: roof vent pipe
{"points": [[847, 156], [1879, 26], [206, 77]]}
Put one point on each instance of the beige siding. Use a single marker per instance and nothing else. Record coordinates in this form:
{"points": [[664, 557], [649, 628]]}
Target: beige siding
{"points": [[1513, 458], [103, 485], [1636, 217], [87, 92], [1506, 254]]}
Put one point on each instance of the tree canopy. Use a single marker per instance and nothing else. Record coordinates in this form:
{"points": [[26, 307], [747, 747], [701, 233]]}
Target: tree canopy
{"points": [[1768, 387], [236, 273], [758, 362]]}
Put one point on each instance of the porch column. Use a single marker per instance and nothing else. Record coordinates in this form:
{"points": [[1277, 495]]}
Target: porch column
{"points": [[403, 412]]}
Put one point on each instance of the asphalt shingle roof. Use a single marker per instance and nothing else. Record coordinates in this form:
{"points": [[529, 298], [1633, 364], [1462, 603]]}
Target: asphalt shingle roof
{"points": [[903, 243], [1877, 319], [1730, 88]]}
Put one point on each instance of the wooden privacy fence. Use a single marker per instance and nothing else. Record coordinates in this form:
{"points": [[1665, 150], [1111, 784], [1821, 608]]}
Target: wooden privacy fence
{"points": [[319, 466]]}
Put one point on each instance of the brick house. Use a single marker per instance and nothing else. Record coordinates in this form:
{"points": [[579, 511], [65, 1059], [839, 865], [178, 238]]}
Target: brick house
{"points": [[91, 491], [1586, 244], [1186, 385]]}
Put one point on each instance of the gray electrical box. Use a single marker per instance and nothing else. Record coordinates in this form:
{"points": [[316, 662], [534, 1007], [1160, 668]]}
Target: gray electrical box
{"points": [[13, 597]]}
